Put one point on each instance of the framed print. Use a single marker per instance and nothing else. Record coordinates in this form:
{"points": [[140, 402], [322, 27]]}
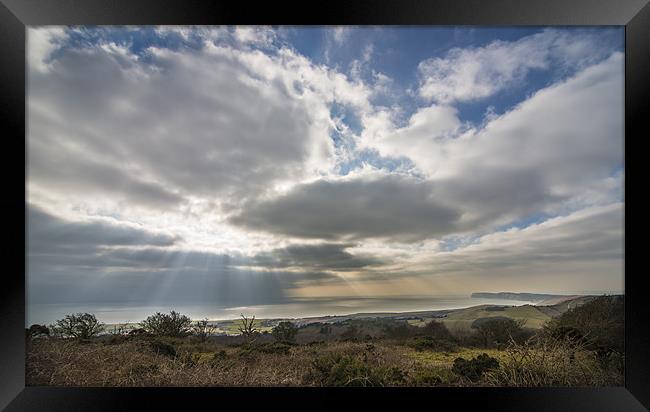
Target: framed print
{"points": [[375, 200]]}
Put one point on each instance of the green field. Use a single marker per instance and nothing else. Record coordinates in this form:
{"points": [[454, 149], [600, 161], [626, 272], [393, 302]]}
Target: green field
{"points": [[231, 327], [462, 319]]}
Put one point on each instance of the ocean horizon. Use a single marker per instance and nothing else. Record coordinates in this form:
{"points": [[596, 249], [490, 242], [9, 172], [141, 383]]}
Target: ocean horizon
{"points": [[132, 313]]}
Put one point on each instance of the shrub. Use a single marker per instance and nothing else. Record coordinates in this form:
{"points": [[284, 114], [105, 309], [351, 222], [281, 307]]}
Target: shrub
{"points": [[38, 331], [202, 329], [401, 331], [163, 348], [345, 370], [498, 330], [600, 323], [81, 326], [473, 369], [138, 332], [565, 332], [549, 361], [161, 324], [437, 330], [285, 332], [200, 358], [432, 377], [351, 333], [434, 344], [427, 378]]}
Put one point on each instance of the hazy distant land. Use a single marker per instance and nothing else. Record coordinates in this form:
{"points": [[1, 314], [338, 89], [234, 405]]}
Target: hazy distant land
{"points": [[534, 315]]}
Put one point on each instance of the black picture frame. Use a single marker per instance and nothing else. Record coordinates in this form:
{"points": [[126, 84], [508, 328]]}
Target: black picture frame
{"points": [[16, 14]]}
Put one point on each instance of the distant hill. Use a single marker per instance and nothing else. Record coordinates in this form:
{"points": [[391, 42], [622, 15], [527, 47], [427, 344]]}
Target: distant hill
{"points": [[528, 297], [545, 308], [556, 307]]}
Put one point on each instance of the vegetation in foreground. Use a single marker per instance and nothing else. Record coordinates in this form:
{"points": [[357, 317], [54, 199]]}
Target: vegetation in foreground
{"points": [[581, 347]]}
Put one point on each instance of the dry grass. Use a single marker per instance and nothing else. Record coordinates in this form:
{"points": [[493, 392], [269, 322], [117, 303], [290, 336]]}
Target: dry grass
{"points": [[55, 362], [553, 363]]}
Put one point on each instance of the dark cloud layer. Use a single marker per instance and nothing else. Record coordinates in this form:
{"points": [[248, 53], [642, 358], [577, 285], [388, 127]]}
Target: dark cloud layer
{"points": [[399, 208], [328, 256], [103, 262], [47, 231]]}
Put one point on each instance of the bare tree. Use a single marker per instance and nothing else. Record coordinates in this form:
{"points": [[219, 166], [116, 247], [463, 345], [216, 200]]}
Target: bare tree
{"points": [[247, 327], [202, 329]]}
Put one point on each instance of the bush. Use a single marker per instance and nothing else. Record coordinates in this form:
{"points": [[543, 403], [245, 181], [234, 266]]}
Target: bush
{"points": [[427, 378], [498, 330], [174, 324], [38, 331], [565, 332], [433, 344], [285, 332], [432, 377], [474, 369], [202, 329], [351, 333], [401, 331], [345, 370], [437, 330], [548, 361], [81, 326], [163, 348], [139, 332], [600, 323]]}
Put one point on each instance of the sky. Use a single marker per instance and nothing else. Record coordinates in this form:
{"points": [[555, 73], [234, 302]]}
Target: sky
{"points": [[235, 167]]}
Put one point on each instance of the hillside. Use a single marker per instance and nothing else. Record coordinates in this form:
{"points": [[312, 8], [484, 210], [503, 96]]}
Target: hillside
{"points": [[457, 320]]}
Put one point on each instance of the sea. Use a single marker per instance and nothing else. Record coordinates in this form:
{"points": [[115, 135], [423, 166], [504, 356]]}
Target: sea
{"points": [[114, 313]]}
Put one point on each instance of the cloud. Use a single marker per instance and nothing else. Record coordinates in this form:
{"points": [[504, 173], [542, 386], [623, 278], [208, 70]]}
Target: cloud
{"points": [[467, 74], [327, 256], [549, 151], [394, 207], [335, 38], [103, 261], [340, 34], [47, 233], [579, 252], [583, 247], [228, 147], [42, 42], [141, 128], [256, 35]]}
